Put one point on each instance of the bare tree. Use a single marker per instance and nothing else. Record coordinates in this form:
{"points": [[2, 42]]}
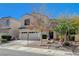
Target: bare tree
{"points": [[42, 19]]}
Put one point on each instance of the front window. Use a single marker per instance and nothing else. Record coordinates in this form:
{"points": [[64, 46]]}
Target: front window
{"points": [[27, 22]]}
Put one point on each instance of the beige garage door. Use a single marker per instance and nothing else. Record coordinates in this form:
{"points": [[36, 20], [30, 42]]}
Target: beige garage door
{"points": [[23, 35], [30, 35], [34, 35]]}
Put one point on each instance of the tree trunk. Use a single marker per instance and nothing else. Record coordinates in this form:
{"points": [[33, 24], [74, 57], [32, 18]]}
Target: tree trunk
{"points": [[41, 38], [65, 38]]}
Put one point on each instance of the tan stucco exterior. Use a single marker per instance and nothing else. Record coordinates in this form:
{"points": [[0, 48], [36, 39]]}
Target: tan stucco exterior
{"points": [[34, 26], [12, 28]]}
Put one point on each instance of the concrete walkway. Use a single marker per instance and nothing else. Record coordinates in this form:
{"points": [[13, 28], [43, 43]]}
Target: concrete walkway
{"points": [[21, 45]]}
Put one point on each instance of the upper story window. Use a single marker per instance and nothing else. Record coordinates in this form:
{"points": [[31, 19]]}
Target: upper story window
{"points": [[27, 22]]}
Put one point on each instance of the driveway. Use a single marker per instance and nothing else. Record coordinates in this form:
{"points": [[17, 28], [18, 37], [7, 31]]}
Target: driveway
{"points": [[24, 47], [8, 52]]}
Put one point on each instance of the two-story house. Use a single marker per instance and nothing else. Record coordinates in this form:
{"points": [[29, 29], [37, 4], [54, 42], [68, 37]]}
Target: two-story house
{"points": [[31, 25], [9, 26]]}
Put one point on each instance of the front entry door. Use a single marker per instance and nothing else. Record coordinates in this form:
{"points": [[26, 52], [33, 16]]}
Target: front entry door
{"points": [[51, 35]]}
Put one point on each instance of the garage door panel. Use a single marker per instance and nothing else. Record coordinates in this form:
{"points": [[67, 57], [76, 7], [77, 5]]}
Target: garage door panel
{"points": [[23, 36], [33, 36], [30, 36]]}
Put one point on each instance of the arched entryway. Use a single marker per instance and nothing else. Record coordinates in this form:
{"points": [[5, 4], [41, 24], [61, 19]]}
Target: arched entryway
{"points": [[51, 35]]}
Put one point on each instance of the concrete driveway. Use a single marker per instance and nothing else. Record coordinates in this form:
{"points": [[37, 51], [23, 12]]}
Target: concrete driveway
{"points": [[9, 52], [19, 47]]}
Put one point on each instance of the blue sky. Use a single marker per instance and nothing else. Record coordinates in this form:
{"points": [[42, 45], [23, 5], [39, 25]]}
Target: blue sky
{"points": [[52, 10]]}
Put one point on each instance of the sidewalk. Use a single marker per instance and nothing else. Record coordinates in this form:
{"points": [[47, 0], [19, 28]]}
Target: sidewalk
{"points": [[22, 46]]}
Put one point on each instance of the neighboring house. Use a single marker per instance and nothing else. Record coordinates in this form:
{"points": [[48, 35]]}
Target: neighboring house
{"points": [[9, 25], [30, 26]]}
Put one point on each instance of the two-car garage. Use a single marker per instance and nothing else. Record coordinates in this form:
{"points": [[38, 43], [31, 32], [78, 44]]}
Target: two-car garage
{"points": [[29, 35]]}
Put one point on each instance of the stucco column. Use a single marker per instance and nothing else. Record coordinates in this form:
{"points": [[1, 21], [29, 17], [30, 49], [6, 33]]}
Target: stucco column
{"points": [[54, 35]]}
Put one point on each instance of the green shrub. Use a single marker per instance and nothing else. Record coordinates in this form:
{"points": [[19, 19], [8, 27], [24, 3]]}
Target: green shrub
{"points": [[7, 37], [67, 44], [4, 41], [71, 38]]}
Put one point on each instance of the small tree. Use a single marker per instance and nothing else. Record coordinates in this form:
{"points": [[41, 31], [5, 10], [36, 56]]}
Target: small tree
{"points": [[74, 24], [62, 30], [68, 25]]}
